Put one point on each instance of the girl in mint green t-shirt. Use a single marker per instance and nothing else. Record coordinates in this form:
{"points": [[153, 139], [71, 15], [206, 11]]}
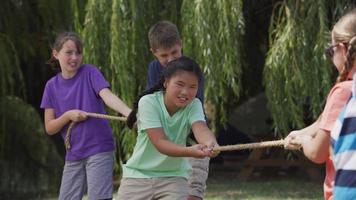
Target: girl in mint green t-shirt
{"points": [[165, 115]]}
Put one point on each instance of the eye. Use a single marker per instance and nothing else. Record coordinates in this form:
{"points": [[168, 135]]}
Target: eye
{"points": [[69, 53]]}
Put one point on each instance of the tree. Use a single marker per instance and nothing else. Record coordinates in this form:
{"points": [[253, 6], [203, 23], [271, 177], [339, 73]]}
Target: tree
{"points": [[297, 74]]}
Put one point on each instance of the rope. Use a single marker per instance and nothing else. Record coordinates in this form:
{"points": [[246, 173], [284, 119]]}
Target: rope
{"points": [[255, 145], [95, 115]]}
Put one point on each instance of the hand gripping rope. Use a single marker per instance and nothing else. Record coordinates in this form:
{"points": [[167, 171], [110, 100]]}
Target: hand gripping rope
{"points": [[95, 115], [256, 145]]}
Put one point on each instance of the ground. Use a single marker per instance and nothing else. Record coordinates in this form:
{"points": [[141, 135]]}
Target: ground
{"points": [[265, 184]]}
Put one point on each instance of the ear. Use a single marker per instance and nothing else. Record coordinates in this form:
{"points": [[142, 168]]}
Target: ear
{"points": [[55, 53], [343, 50], [152, 50], [165, 84]]}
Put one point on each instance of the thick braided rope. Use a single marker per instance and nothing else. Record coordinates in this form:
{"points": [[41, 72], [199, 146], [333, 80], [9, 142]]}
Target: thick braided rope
{"points": [[95, 115], [255, 145]]}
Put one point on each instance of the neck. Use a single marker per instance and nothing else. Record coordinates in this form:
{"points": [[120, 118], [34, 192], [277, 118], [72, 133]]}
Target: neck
{"points": [[67, 75], [169, 106]]}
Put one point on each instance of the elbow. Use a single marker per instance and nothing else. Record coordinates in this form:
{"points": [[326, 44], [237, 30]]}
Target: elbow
{"points": [[316, 158], [50, 131], [164, 152]]}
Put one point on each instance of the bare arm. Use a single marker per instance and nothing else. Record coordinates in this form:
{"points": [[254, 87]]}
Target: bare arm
{"points": [[317, 149], [114, 102], [309, 131], [203, 134], [54, 125], [165, 146]]}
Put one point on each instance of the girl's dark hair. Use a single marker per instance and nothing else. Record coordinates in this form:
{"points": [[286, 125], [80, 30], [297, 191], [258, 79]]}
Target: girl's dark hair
{"points": [[58, 44], [181, 64]]}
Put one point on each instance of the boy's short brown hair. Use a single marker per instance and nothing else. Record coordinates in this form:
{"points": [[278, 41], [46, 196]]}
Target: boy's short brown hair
{"points": [[163, 34]]}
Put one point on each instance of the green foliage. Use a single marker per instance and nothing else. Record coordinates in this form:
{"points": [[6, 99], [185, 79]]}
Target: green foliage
{"points": [[213, 35], [29, 163], [28, 158], [11, 78], [96, 33], [297, 73]]}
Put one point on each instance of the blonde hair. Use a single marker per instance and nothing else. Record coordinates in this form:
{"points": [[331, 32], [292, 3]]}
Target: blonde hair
{"points": [[163, 34], [344, 31]]}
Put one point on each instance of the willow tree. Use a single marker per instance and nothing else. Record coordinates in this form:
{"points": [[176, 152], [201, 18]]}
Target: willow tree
{"points": [[29, 162], [297, 74], [213, 35]]}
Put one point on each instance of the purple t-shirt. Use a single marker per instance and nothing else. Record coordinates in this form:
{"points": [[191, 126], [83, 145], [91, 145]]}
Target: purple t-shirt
{"points": [[81, 92]]}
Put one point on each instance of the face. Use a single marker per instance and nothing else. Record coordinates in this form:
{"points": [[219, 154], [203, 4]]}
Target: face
{"points": [[69, 58], [181, 89], [338, 51], [165, 55]]}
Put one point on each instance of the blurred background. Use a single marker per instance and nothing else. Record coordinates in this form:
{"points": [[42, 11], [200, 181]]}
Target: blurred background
{"points": [[263, 60]]}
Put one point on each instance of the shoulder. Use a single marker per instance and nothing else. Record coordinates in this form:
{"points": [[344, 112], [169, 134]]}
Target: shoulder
{"points": [[154, 64], [149, 99], [196, 103], [341, 90], [344, 85], [89, 68], [52, 81]]}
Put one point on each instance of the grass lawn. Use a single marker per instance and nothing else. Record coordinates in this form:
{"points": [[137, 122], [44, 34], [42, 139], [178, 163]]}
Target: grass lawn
{"points": [[223, 184]]}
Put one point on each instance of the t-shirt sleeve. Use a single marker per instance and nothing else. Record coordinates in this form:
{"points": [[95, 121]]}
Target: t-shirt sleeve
{"points": [[196, 113], [46, 101], [148, 114], [337, 99], [97, 80]]}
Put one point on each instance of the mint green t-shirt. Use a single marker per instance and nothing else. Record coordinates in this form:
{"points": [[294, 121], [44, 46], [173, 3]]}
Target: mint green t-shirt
{"points": [[146, 161]]}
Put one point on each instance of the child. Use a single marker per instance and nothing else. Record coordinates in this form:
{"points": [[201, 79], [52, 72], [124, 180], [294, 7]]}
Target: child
{"points": [[165, 115], [77, 89], [166, 46], [315, 138], [343, 140]]}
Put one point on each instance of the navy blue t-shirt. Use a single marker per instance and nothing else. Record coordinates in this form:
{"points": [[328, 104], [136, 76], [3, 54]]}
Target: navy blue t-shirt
{"points": [[154, 72]]}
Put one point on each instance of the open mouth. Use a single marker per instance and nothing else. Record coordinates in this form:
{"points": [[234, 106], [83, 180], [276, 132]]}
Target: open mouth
{"points": [[183, 99]]}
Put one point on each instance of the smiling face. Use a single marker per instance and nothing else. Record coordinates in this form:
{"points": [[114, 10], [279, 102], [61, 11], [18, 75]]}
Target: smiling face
{"points": [[69, 58], [181, 89]]}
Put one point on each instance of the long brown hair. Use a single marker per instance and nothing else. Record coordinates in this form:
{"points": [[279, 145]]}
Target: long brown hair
{"points": [[58, 44]]}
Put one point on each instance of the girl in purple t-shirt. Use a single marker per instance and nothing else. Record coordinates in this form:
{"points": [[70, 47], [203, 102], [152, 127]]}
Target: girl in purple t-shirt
{"points": [[68, 96]]}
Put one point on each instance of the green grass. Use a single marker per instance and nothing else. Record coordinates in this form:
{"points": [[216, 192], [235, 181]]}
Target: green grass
{"points": [[266, 184], [223, 184]]}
